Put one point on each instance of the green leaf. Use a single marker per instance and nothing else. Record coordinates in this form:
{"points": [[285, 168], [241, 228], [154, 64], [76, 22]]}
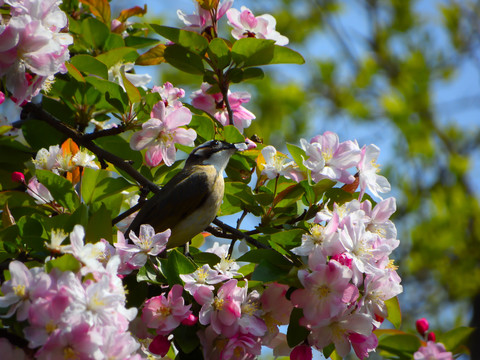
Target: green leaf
{"points": [[90, 65], [285, 55], [60, 188], [184, 59], [154, 56], [95, 33], [114, 94], [403, 345], [219, 53], [31, 129], [206, 258], [188, 39], [114, 41], [338, 196], [298, 155], [98, 184], [66, 262], [177, 264], [287, 237], [203, 125], [296, 333], [455, 338], [265, 271], [232, 134], [252, 73], [132, 92], [120, 147], [74, 72], [99, 226], [118, 55], [272, 256], [139, 42], [186, 338], [252, 52], [394, 312]]}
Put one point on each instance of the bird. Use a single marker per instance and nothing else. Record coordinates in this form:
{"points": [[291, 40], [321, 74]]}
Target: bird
{"points": [[189, 202]]}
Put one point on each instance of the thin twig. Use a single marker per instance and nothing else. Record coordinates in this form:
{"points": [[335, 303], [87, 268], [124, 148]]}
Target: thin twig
{"points": [[42, 115], [239, 234]]}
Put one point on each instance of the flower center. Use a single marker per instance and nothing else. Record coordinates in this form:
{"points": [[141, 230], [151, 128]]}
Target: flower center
{"points": [[323, 291], [327, 155], [201, 276], [164, 311], [218, 304], [20, 290]]}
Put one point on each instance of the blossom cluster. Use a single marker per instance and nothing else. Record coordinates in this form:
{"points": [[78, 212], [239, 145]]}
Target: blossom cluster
{"points": [[328, 158], [164, 129], [33, 46], [236, 322], [71, 314], [349, 275]]}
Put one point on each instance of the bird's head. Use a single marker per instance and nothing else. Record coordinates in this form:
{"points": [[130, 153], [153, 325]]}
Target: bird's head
{"points": [[213, 152]]}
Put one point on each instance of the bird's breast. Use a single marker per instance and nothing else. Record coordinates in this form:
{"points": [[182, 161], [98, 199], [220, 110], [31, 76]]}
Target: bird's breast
{"points": [[201, 217]]}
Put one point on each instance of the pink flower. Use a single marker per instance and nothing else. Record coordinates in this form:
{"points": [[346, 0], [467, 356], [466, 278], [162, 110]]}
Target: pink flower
{"points": [[222, 311], [202, 277], [79, 342], [278, 165], [362, 344], [379, 218], [433, 351], [202, 20], [339, 330], [11, 352], [215, 106], [147, 243], [245, 24], [166, 313], [368, 171], [170, 95], [160, 134], [327, 292], [242, 347], [2, 97], [24, 286], [330, 159], [39, 192], [33, 44], [301, 352], [275, 306], [422, 326]]}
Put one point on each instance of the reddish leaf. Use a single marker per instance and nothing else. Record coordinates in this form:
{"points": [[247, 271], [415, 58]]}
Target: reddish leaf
{"points": [[135, 11], [154, 56], [99, 8]]}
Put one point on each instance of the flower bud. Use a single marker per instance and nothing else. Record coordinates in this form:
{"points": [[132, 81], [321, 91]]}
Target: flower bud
{"points": [[431, 336], [301, 352], [159, 345], [2, 97], [190, 320], [18, 177], [422, 326]]}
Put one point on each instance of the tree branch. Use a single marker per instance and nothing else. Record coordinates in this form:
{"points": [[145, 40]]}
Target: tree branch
{"points": [[86, 141], [237, 234]]}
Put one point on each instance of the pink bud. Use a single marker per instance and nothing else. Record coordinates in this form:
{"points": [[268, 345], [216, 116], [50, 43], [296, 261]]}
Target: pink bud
{"points": [[190, 320], [301, 352], [422, 326], [18, 177], [2, 97], [250, 144], [159, 345], [431, 337]]}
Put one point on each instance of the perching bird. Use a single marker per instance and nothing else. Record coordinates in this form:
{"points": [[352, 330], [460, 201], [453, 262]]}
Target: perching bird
{"points": [[189, 202]]}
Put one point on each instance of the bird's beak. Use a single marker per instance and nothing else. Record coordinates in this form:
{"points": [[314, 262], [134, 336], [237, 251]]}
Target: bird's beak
{"points": [[241, 146]]}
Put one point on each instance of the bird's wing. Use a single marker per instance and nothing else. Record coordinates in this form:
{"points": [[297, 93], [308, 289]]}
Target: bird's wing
{"points": [[175, 201]]}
